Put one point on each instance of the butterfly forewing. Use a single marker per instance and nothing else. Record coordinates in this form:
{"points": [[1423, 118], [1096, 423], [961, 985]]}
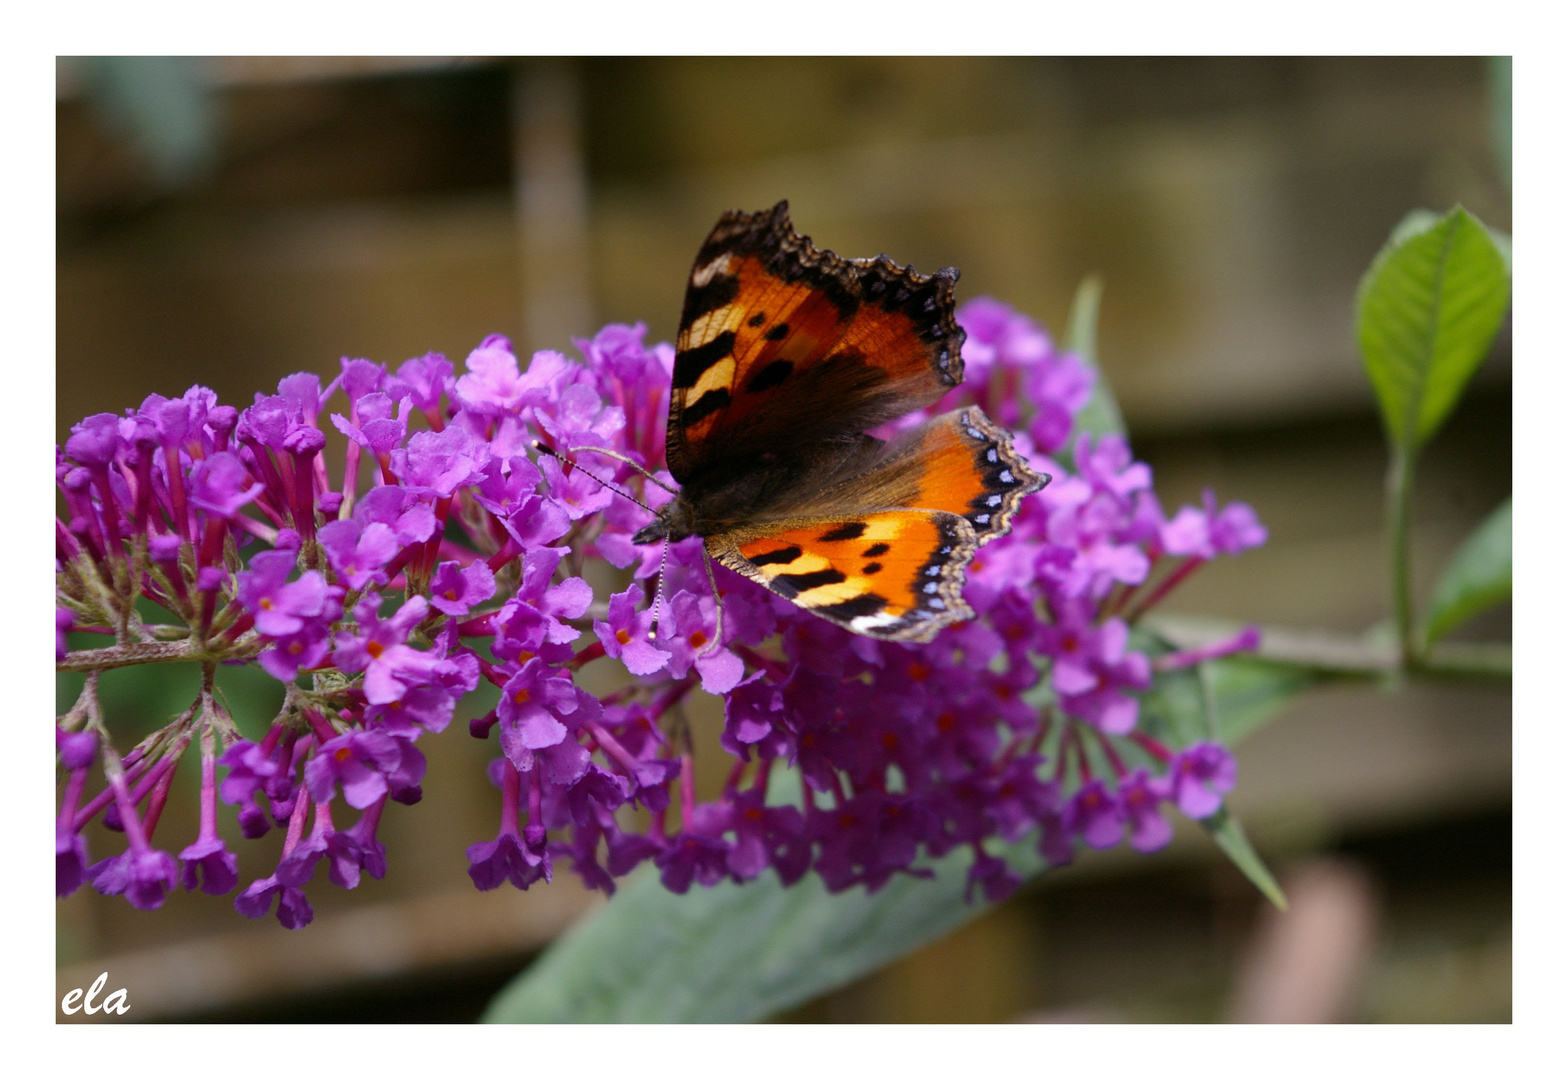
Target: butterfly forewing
{"points": [[781, 343]]}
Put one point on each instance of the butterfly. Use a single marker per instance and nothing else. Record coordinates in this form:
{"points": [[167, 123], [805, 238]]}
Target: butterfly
{"points": [[787, 356]]}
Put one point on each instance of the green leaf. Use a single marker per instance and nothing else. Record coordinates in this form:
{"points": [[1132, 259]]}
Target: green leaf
{"points": [[1246, 693], [1228, 834], [741, 953], [1426, 312], [1479, 576], [1100, 416], [1420, 220], [734, 953]]}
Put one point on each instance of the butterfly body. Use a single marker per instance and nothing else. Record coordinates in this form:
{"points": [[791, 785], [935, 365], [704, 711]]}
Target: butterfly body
{"points": [[786, 357]]}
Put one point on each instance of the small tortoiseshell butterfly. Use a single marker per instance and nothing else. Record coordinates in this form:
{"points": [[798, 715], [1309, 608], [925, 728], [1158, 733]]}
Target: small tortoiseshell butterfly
{"points": [[787, 356]]}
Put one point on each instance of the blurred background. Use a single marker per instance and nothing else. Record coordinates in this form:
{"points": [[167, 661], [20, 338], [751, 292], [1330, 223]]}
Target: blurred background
{"points": [[230, 221]]}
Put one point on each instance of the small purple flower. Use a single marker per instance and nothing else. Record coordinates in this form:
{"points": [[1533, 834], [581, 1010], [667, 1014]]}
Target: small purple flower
{"points": [[378, 429], [209, 862], [688, 635], [692, 857], [250, 766], [356, 849], [456, 590], [294, 911], [577, 492], [360, 761], [1096, 815], [282, 607], [408, 515], [422, 708], [1140, 804], [95, 441], [996, 880], [1209, 532], [222, 485], [378, 648], [533, 620], [493, 385], [539, 711], [144, 875], [70, 858], [625, 635], [439, 462], [359, 557], [510, 857], [422, 381], [77, 749], [1199, 777]]}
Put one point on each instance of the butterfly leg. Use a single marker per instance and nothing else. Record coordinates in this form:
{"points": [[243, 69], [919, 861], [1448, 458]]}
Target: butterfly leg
{"points": [[718, 603]]}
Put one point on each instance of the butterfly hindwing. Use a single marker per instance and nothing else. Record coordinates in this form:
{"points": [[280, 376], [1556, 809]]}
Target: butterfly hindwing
{"points": [[781, 343], [892, 574], [967, 465]]}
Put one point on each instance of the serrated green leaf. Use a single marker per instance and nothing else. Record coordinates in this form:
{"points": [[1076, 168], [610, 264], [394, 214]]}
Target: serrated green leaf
{"points": [[1101, 416], [740, 953], [1479, 576], [1228, 834], [1426, 312]]}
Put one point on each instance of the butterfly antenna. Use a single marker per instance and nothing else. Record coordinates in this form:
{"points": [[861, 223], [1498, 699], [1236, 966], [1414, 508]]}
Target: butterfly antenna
{"points": [[590, 474], [658, 595], [618, 456]]}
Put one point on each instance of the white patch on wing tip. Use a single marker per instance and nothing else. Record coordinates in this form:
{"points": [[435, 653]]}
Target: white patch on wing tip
{"points": [[862, 623], [704, 274]]}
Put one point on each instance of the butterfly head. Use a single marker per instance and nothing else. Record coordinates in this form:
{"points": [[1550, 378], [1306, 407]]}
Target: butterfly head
{"points": [[675, 520]]}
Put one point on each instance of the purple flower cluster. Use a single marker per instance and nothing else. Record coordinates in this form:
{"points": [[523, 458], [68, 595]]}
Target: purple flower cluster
{"points": [[438, 554]]}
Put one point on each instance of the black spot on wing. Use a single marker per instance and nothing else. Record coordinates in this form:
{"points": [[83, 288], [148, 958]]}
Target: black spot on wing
{"points": [[782, 555], [845, 610], [720, 291], [758, 319], [777, 333], [875, 550], [690, 364], [871, 568], [770, 376], [812, 580], [1005, 475], [711, 402], [850, 530]]}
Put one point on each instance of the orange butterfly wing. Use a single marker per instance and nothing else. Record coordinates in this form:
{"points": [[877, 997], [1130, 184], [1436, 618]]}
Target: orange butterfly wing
{"points": [[782, 344], [894, 574], [895, 570]]}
